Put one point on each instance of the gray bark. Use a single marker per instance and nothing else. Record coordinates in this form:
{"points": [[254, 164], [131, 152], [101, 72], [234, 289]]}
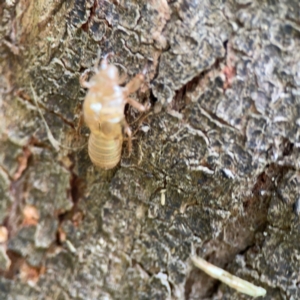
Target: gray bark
{"points": [[221, 144]]}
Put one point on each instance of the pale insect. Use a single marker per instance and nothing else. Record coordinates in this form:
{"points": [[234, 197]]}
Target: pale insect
{"points": [[236, 283], [103, 112]]}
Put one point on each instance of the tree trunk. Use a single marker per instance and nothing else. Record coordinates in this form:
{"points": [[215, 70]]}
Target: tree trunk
{"points": [[214, 165]]}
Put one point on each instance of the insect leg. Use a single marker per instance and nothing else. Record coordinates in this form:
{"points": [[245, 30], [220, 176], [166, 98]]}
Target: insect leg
{"points": [[79, 125], [128, 131], [136, 104], [82, 80], [133, 85]]}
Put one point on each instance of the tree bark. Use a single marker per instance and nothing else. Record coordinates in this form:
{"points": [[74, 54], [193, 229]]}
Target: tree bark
{"points": [[215, 163]]}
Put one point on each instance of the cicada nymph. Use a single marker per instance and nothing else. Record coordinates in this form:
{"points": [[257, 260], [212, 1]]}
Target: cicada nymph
{"points": [[103, 112]]}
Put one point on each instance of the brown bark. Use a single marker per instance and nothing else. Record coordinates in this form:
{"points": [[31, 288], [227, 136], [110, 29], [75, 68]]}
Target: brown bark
{"points": [[221, 144]]}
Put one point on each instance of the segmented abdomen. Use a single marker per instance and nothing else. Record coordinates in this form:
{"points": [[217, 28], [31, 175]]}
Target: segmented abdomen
{"points": [[104, 153]]}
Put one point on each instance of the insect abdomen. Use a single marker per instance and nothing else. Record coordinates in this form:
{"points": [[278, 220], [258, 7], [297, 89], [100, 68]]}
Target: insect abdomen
{"points": [[104, 153]]}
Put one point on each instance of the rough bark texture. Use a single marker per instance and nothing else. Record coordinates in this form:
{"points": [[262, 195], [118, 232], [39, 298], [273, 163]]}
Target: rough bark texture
{"points": [[221, 144]]}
